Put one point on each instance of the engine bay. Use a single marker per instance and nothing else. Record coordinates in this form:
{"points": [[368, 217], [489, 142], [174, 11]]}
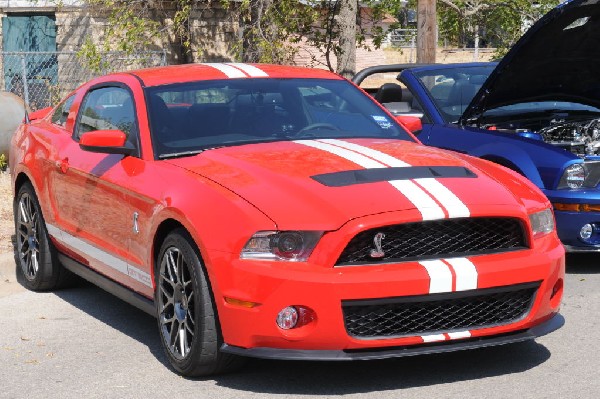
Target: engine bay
{"points": [[579, 135]]}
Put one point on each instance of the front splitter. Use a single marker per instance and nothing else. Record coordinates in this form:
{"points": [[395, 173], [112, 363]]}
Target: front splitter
{"points": [[544, 328]]}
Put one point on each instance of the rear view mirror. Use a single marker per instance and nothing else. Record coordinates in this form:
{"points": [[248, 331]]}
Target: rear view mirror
{"points": [[411, 123]]}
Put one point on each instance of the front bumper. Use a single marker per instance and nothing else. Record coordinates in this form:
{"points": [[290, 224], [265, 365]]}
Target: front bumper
{"points": [[568, 226], [318, 286], [569, 223], [553, 324]]}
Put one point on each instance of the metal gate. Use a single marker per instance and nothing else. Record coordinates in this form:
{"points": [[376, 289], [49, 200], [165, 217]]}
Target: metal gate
{"points": [[31, 76], [39, 90]]}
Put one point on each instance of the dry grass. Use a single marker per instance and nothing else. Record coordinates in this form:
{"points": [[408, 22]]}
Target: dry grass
{"points": [[7, 229]]}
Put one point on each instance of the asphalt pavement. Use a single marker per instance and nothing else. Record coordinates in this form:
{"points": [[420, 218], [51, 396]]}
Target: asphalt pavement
{"points": [[84, 343]]}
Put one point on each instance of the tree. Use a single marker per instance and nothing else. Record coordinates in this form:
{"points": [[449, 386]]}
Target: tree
{"points": [[498, 23], [274, 30], [271, 30], [426, 31]]}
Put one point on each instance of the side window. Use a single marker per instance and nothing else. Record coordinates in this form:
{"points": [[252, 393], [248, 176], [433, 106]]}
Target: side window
{"points": [[107, 108], [59, 117]]}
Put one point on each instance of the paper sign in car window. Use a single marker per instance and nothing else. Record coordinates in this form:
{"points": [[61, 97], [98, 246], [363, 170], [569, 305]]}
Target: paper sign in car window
{"points": [[382, 121]]}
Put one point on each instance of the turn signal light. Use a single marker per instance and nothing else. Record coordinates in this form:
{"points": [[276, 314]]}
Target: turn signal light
{"points": [[239, 302], [577, 207]]}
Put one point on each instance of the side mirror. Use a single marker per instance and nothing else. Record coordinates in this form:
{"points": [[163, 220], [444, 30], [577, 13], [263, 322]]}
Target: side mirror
{"points": [[106, 142], [411, 123], [39, 114]]}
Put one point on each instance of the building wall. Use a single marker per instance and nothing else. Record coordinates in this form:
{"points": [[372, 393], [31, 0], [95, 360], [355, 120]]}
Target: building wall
{"points": [[213, 28]]}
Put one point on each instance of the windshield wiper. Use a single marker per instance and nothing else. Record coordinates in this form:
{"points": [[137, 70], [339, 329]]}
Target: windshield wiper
{"points": [[180, 154]]}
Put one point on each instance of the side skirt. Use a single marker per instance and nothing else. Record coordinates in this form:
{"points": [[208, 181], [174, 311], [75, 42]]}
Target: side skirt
{"points": [[108, 285]]}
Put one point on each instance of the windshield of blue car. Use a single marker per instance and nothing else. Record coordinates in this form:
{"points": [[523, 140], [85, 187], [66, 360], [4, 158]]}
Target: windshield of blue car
{"points": [[186, 118], [453, 89]]}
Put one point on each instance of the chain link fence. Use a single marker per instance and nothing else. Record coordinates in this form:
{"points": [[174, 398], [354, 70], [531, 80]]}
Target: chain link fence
{"points": [[43, 78], [403, 37]]}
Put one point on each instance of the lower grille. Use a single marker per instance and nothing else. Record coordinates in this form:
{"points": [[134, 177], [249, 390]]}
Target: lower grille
{"points": [[438, 313]]}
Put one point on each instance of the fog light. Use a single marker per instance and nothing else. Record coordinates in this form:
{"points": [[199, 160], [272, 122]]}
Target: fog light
{"points": [[287, 318], [586, 232]]}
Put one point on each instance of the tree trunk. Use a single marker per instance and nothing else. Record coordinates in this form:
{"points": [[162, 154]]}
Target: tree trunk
{"points": [[476, 44], [183, 51], [346, 57], [426, 31]]}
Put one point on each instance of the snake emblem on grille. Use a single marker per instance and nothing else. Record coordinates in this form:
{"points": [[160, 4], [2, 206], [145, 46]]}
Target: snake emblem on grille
{"points": [[377, 252]]}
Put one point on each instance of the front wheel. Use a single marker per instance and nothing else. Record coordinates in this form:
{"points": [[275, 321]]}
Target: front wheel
{"points": [[36, 256], [187, 318]]}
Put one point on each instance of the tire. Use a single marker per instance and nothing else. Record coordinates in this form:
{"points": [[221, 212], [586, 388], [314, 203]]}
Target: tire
{"points": [[187, 318], [35, 255]]}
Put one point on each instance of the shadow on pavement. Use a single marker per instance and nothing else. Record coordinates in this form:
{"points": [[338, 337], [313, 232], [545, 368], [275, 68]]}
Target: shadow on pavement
{"points": [[115, 313], [320, 378], [583, 263]]}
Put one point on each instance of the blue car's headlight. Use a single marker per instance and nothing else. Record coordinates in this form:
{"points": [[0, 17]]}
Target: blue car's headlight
{"points": [[574, 176], [580, 175]]}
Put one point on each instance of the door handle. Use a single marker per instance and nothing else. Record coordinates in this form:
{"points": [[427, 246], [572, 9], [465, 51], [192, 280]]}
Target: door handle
{"points": [[63, 165]]}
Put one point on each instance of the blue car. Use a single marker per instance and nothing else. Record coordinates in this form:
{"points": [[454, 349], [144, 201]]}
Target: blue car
{"points": [[536, 112]]}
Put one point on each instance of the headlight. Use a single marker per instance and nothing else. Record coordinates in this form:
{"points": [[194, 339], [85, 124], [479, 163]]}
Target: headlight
{"points": [[574, 176], [295, 246], [542, 222]]}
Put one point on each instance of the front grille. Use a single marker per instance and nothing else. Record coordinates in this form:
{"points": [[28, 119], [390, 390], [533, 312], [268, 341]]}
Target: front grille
{"points": [[437, 313], [436, 239]]}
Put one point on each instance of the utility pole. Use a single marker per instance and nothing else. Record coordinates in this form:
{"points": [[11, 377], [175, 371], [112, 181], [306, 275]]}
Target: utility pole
{"points": [[426, 31]]}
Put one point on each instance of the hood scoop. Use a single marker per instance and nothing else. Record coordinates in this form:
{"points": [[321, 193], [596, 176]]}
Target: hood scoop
{"points": [[362, 176]]}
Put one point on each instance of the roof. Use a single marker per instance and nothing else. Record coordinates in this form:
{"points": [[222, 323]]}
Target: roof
{"points": [[210, 71]]}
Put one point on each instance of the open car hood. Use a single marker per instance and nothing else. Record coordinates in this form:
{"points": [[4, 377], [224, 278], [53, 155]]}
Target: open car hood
{"points": [[558, 59]]}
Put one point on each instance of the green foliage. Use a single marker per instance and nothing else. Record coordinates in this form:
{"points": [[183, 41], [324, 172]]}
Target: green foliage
{"points": [[135, 25], [3, 162], [500, 23], [275, 30], [92, 57]]}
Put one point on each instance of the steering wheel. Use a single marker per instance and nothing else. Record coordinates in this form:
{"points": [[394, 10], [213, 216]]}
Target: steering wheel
{"points": [[320, 125]]}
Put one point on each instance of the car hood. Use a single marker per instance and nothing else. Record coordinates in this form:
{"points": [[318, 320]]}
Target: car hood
{"points": [[556, 60], [300, 186]]}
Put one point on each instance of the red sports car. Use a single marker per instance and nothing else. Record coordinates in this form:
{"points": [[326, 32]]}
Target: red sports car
{"points": [[279, 212]]}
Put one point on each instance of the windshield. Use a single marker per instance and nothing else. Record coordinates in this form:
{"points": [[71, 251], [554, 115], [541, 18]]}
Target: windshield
{"points": [[189, 117], [453, 89]]}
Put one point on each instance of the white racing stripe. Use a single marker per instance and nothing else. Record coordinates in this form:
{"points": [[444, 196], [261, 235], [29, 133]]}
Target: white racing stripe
{"points": [[440, 276], [423, 193], [433, 338], [460, 334], [428, 208], [453, 205], [102, 256], [351, 156], [251, 70], [442, 337], [228, 70], [378, 155], [466, 273]]}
